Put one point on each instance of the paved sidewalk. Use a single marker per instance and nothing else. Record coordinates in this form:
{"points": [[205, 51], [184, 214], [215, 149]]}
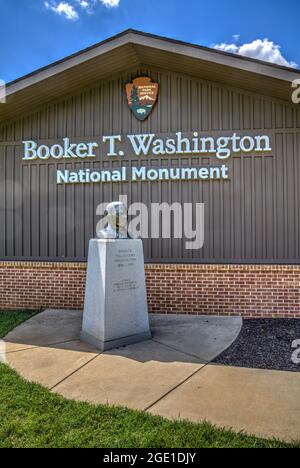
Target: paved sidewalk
{"points": [[170, 375]]}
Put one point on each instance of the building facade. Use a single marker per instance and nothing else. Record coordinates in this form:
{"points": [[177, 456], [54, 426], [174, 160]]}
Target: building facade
{"points": [[222, 131]]}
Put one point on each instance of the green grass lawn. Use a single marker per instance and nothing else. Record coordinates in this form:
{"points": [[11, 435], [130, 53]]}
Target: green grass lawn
{"points": [[31, 416]]}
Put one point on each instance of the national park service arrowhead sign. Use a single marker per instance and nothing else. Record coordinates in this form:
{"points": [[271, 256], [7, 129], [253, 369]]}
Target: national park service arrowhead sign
{"points": [[142, 96]]}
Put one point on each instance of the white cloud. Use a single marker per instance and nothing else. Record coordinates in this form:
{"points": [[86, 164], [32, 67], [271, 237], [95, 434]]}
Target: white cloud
{"points": [[69, 9], [83, 3], [261, 49], [63, 8], [233, 48], [110, 3]]}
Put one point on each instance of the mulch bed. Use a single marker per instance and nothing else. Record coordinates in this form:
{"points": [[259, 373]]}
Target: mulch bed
{"points": [[264, 344]]}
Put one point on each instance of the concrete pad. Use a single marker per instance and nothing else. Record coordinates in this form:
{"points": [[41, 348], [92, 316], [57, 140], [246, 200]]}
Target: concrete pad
{"points": [[201, 336], [14, 347], [261, 402], [165, 375], [46, 328], [50, 365], [135, 376], [2, 352]]}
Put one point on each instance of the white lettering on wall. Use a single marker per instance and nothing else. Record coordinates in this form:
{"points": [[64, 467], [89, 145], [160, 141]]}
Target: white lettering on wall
{"points": [[67, 150], [149, 145]]}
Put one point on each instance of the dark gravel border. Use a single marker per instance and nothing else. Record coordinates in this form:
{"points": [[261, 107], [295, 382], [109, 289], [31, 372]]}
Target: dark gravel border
{"points": [[264, 344]]}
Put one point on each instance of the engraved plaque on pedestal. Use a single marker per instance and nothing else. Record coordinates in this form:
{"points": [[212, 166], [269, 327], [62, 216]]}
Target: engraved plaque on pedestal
{"points": [[115, 309]]}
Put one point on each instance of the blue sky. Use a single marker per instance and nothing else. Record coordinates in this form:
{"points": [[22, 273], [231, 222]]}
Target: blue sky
{"points": [[35, 33]]}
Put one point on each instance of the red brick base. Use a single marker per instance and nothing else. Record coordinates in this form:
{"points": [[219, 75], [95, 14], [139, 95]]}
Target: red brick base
{"points": [[247, 290]]}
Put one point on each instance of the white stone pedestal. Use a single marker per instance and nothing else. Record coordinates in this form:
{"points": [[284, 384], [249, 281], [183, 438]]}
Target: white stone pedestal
{"points": [[115, 309]]}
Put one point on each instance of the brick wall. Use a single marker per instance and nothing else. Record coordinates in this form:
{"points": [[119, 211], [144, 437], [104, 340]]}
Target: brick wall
{"points": [[248, 290], [39, 285], [252, 291]]}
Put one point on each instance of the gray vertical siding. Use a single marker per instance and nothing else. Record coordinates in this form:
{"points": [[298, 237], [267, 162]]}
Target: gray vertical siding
{"points": [[253, 216]]}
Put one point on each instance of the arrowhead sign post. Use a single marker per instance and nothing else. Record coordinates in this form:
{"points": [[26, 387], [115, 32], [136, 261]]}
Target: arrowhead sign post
{"points": [[142, 95]]}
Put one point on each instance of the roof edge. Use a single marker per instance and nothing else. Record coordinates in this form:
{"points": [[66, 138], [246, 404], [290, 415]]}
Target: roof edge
{"points": [[152, 36]]}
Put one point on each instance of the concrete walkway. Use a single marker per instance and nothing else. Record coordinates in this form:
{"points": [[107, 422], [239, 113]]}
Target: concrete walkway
{"points": [[170, 375]]}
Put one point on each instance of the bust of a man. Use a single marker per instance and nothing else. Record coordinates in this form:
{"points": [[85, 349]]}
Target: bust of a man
{"points": [[116, 215]]}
